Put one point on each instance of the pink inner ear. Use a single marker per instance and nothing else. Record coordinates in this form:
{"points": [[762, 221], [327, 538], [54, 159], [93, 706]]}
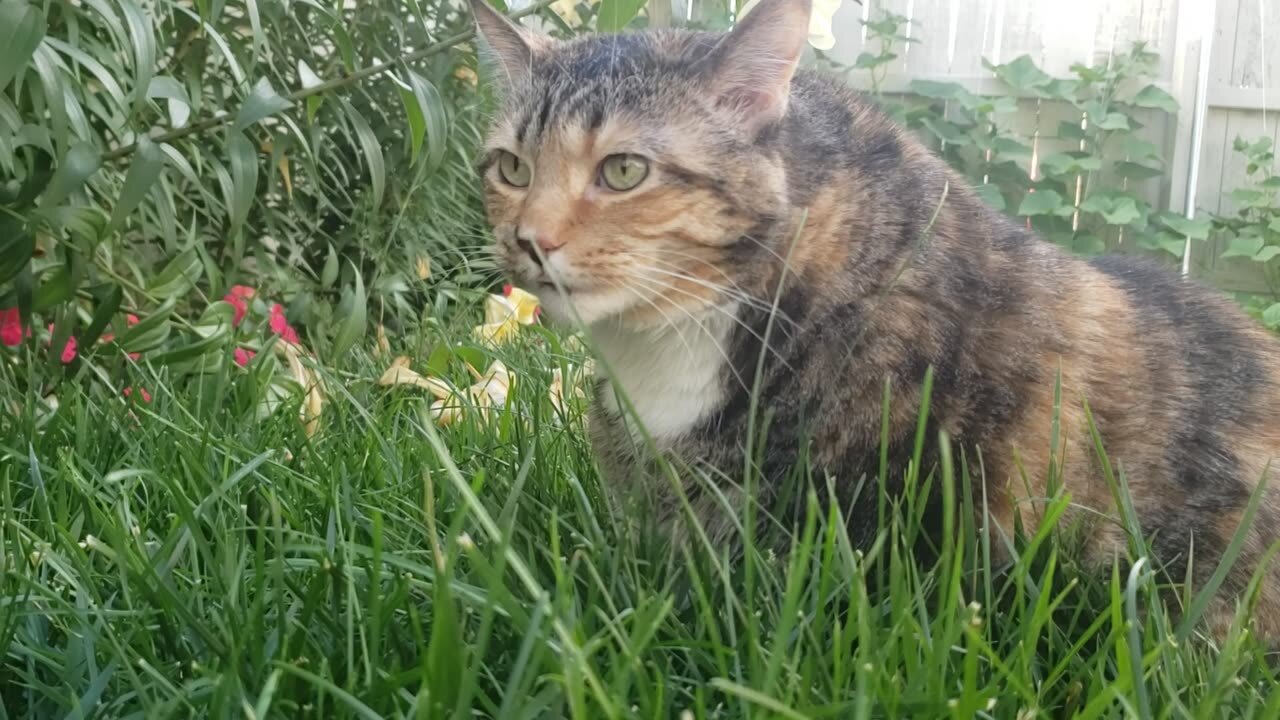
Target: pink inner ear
{"points": [[748, 101]]}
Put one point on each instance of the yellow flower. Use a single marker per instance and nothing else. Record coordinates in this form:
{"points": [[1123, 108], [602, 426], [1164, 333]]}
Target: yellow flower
{"points": [[505, 313], [490, 390], [423, 267]]}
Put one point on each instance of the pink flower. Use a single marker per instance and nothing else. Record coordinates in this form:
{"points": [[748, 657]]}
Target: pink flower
{"points": [[280, 325], [69, 351], [142, 392], [238, 297], [506, 290], [11, 331], [243, 356]]}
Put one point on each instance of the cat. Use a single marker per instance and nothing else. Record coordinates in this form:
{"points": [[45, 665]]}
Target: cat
{"points": [[725, 223]]}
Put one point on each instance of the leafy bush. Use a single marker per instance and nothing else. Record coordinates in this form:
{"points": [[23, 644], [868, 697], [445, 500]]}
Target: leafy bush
{"points": [[154, 154], [1253, 231]]}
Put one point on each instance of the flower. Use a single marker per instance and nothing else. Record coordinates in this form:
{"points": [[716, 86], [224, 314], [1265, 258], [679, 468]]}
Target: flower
{"points": [[68, 351], [11, 330], [238, 298], [423, 267], [489, 391], [280, 325], [503, 315], [142, 392], [243, 356]]}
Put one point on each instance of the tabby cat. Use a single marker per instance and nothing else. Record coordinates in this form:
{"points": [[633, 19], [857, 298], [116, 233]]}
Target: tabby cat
{"points": [[686, 196]]}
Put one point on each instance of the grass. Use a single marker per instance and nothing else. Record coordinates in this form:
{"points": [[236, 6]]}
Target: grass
{"points": [[185, 558]]}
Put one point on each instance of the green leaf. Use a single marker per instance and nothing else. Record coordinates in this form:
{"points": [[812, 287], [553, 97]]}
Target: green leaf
{"points": [[614, 15], [444, 671], [1246, 197], [163, 86], [178, 277], [436, 121], [244, 180], [57, 288], [1124, 212], [991, 195], [1136, 171], [144, 51], [870, 61], [1271, 183], [1196, 229], [1267, 254], [148, 161], [1009, 146], [212, 330], [329, 275], [938, 90], [263, 102], [1153, 97], [946, 131], [17, 245], [102, 315], [22, 27], [372, 152], [1022, 74], [1112, 121], [353, 325], [78, 165], [1243, 246], [1271, 316], [1136, 149], [1040, 202], [150, 332]]}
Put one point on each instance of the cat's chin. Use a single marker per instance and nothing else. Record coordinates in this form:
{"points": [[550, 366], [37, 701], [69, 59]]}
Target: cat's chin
{"points": [[581, 307]]}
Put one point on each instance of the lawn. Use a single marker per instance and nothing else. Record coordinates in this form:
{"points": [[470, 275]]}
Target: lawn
{"points": [[185, 556]]}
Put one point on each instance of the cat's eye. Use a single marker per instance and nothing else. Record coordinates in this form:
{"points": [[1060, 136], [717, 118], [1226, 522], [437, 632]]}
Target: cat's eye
{"points": [[624, 171], [514, 171]]}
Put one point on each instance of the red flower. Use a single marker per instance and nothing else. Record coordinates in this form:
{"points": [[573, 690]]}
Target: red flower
{"points": [[238, 297], [69, 351], [11, 331], [243, 356], [142, 392], [280, 325], [506, 290], [240, 306]]}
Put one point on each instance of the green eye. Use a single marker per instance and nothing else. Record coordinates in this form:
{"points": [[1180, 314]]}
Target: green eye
{"points": [[624, 172], [514, 171]]}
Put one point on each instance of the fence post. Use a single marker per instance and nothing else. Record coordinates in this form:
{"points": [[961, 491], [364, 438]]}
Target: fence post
{"points": [[1189, 86]]}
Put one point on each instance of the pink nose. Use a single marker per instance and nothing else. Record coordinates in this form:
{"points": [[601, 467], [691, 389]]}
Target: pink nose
{"points": [[527, 238]]}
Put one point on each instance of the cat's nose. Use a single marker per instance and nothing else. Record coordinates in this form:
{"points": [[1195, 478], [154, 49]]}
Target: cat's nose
{"points": [[528, 237]]}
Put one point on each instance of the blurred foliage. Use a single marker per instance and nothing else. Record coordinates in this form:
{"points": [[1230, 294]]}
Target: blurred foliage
{"points": [[1252, 231]]}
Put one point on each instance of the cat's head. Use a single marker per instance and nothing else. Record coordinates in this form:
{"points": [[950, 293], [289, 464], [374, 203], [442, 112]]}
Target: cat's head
{"points": [[626, 174]]}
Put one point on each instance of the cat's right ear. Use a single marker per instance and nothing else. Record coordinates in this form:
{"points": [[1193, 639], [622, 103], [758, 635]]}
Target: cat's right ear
{"points": [[752, 67], [505, 48]]}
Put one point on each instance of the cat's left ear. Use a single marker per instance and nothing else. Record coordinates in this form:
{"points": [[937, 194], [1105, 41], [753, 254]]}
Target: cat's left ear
{"points": [[505, 47], [751, 69]]}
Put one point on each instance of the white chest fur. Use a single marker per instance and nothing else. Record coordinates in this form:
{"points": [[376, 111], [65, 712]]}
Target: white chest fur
{"points": [[672, 377]]}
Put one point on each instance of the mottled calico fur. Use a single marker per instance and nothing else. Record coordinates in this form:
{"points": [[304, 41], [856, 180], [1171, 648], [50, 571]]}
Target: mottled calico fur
{"points": [[892, 265]]}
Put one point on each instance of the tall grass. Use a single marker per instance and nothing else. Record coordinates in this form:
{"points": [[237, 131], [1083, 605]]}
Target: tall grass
{"points": [[182, 558]]}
